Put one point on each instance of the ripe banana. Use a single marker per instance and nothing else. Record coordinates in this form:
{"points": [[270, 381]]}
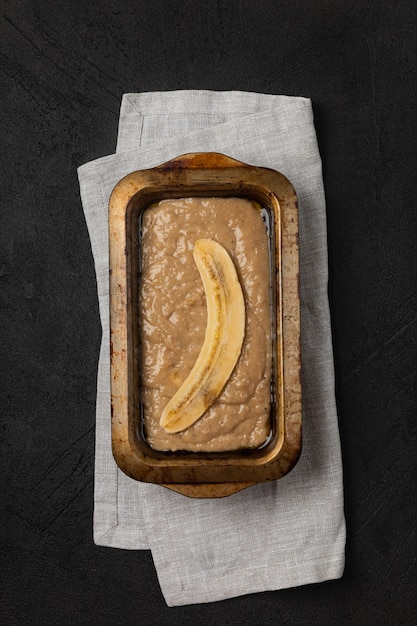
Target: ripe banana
{"points": [[223, 339]]}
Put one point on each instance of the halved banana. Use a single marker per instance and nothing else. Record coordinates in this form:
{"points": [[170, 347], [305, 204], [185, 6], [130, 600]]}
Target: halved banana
{"points": [[223, 339]]}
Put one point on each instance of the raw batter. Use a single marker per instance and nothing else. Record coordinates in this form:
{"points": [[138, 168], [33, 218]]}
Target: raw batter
{"points": [[173, 320]]}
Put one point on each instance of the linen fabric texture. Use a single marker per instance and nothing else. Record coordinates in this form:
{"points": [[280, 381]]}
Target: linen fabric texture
{"points": [[270, 536]]}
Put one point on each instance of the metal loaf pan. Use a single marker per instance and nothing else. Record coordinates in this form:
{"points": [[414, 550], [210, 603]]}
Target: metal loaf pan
{"points": [[203, 475]]}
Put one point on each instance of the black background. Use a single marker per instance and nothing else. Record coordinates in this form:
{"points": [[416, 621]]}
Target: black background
{"points": [[63, 69]]}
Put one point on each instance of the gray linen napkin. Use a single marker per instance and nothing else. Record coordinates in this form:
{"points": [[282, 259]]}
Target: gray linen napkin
{"points": [[271, 536]]}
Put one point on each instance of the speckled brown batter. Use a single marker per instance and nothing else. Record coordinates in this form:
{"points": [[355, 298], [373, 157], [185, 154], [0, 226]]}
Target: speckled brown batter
{"points": [[173, 321]]}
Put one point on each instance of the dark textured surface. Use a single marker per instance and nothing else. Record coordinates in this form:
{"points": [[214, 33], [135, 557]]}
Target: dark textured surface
{"points": [[63, 69]]}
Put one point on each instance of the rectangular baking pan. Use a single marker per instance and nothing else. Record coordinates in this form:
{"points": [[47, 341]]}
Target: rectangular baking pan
{"points": [[197, 474]]}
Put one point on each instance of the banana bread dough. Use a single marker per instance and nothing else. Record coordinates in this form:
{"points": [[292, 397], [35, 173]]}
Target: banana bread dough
{"points": [[173, 321]]}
